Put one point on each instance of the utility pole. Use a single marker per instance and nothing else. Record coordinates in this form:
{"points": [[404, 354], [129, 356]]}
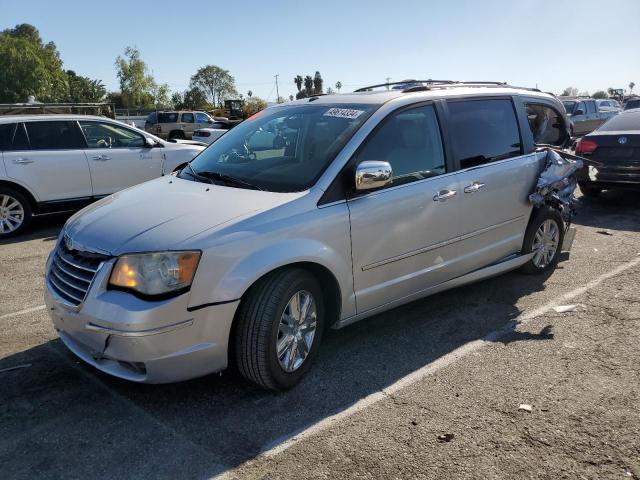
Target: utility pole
{"points": [[277, 91]]}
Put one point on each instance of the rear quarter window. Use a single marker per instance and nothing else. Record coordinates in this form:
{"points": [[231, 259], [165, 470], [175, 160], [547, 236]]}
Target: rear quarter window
{"points": [[167, 117], [483, 131], [546, 124]]}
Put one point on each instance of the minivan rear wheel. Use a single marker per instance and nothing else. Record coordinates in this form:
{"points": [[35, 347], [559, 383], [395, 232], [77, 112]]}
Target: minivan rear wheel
{"points": [[279, 328], [15, 213], [178, 134], [543, 238]]}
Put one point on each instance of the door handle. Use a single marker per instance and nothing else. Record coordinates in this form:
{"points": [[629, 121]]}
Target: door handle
{"points": [[101, 158], [444, 195], [22, 161], [474, 187]]}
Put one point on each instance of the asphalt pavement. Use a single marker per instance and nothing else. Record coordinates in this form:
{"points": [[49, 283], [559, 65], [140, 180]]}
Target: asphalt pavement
{"points": [[429, 390]]}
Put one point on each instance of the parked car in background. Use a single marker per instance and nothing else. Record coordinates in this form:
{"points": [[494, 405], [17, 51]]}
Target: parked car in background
{"points": [[615, 151], [177, 124], [584, 115], [53, 163], [632, 103], [341, 207], [211, 133], [608, 105]]}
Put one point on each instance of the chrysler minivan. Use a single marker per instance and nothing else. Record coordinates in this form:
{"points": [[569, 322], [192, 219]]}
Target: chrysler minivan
{"points": [[356, 204]]}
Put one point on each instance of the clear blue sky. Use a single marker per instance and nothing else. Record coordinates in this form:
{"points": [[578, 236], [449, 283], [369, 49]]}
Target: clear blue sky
{"points": [[589, 44]]}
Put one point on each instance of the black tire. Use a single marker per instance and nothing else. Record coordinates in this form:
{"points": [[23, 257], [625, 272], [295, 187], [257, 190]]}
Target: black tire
{"points": [[539, 217], [178, 134], [26, 208], [258, 320], [590, 191]]}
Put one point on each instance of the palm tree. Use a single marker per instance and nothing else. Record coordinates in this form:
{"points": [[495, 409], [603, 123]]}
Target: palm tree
{"points": [[291, 98], [298, 81], [631, 85], [308, 84], [338, 85], [249, 94]]}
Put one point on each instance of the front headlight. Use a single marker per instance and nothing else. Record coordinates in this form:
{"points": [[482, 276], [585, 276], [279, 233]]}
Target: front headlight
{"points": [[155, 273]]}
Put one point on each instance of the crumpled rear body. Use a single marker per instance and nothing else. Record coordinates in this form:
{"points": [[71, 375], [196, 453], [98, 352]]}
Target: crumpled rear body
{"points": [[556, 184]]}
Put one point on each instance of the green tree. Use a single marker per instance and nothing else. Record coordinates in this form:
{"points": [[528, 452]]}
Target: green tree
{"points": [[338, 85], [330, 91], [253, 105], [298, 80], [195, 99], [600, 94], [136, 85], [215, 83], [29, 67], [84, 89], [249, 94], [317, 83], [570, 92], [308, 84]]}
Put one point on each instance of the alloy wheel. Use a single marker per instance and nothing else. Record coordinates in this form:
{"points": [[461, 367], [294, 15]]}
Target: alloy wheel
{"points": [[545, 243], [296, 331], [11, 213]]}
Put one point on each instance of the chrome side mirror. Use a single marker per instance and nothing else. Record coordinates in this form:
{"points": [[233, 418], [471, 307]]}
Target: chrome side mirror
{"points": [[373, 174]]}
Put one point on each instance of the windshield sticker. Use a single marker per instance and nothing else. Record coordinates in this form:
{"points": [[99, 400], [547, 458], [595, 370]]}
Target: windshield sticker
{"points": [[343, 113]]}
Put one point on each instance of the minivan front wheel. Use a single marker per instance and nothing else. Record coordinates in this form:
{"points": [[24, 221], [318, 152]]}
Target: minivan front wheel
{"points": [[543, 238], [15, 212], [279, 328]]}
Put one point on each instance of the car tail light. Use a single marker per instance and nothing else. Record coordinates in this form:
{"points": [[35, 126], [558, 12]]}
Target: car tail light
{"points": [[586, 147], [200, 133]]}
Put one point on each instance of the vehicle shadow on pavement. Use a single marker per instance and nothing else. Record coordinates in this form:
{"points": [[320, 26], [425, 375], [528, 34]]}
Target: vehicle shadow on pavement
{"points": [[62, 418], [612, 209], [43, 227]]}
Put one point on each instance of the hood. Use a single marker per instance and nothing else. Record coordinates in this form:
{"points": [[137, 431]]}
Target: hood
{"points": [[160, 214]]}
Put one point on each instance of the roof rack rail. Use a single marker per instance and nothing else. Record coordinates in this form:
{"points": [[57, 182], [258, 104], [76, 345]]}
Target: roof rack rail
{"points": [[421, 85], [403, 82]]}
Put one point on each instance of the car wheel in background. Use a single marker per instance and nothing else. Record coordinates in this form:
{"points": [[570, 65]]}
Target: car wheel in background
{"points": [[543, 238], [15, 212], [178, 134], [590, 191], [279, 328]]}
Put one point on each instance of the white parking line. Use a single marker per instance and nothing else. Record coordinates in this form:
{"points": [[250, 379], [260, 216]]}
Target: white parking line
{"points": [[22, 312], [287, 441]]}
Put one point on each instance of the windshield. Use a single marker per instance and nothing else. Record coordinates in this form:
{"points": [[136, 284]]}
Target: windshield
{"points": [[282, 149], [632, 104], [569, 106]]}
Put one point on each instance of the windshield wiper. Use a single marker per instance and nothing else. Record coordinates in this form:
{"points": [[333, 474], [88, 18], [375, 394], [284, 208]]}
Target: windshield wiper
{"points": [[197, 176], [229, 180]]}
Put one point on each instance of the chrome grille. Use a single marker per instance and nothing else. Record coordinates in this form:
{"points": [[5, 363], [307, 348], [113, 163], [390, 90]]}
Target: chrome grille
{"points": [[71, 273]]}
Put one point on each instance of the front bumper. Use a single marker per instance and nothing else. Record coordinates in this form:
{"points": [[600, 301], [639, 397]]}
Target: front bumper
{"points": [[142, 341]]}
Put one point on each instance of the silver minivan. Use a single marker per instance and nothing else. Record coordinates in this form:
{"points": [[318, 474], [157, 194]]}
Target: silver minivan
{"points": [[358, 203]]}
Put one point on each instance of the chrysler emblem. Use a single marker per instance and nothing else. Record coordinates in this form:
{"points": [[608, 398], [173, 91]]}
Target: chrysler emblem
{"points": [[622, 140]]}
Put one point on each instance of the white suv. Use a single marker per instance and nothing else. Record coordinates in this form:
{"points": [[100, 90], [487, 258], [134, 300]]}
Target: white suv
{"points": [[61, 162]]}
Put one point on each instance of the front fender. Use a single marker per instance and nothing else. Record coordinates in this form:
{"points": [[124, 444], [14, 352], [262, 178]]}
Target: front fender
{"points": [[237, 280]]}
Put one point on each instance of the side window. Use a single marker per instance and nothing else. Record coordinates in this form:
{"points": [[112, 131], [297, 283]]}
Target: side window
{"points": [[20, 139], [167, 117], [187, 118], [581, 106], [6, 135], [200, 117], [108, 135], [56, 135], [484, 131], [591, 107], [546, 124], [410, 141]]}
